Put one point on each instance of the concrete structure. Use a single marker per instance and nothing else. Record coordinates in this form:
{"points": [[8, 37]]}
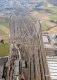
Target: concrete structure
{"points": [[52, 64], [51, 50], [27, 33]]}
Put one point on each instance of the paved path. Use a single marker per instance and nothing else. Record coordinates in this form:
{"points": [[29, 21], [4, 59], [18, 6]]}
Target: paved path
{"points": [[1, 66], [1, 71]]}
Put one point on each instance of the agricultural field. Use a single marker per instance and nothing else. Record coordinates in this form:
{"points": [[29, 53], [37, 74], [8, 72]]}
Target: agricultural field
{"points": [[4, 29], [45, 18], [53, 16], [4, 49], [54, 8], [4, 34]]}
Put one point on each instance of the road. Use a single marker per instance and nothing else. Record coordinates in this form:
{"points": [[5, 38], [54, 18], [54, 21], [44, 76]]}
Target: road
{"points": [[1, 71], [1, 66]]}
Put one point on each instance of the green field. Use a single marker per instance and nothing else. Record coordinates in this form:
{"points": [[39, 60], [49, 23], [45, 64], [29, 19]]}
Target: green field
{"points": [[3, 25], [6, 24], [53, 16], [4, 49], [2, 33], [4, 29], [45, 27], [54, 8]]}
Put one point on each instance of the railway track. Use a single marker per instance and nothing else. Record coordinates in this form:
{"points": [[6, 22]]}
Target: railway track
{"points": [[27, 33]]}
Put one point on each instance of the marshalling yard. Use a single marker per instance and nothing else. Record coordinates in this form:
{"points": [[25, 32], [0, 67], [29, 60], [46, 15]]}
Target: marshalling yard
{"points": [[33, 54]]}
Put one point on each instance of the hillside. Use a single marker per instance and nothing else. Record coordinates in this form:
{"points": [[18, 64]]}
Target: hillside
{"points": [[4, 29], [25, 6], [54, 2], [52, 30], [13, 3], [34, 6]]}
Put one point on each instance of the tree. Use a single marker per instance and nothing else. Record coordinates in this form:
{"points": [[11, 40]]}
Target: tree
{"points": [[2, 41]]}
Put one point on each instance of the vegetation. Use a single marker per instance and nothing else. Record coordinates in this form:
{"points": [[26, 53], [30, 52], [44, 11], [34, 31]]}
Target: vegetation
{"points": [[4, 29], [53, 16], [46, 26], [4, 25], [54, 8], [4, 49], [2, 33]]}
